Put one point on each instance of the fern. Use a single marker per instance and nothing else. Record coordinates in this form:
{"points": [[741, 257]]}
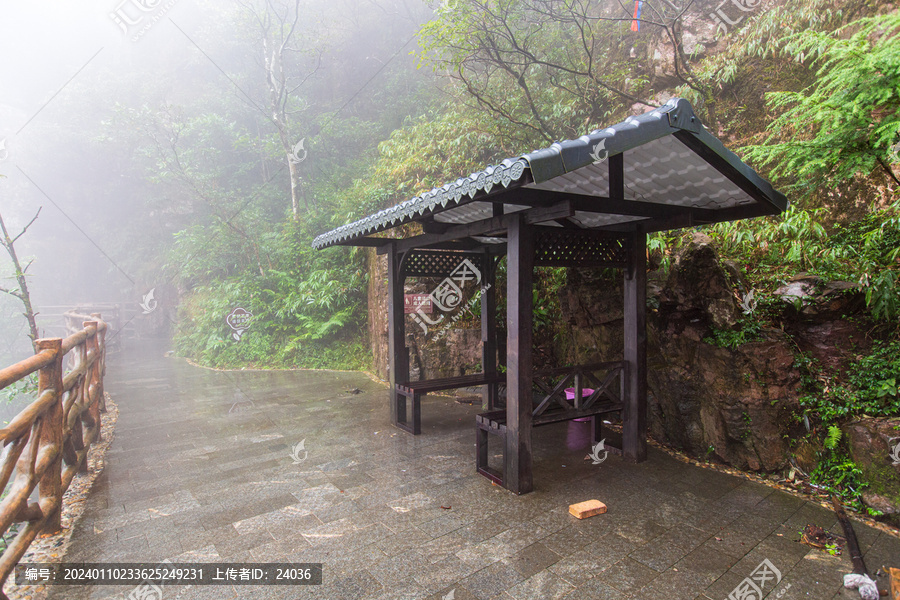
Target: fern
{"points": [[833, 438]]}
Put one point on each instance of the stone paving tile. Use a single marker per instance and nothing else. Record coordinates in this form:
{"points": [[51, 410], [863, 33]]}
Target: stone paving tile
{"points": [[628, 575], [366, 502], [540, 586], [491, 580], [445, 572], [568, 539], [596, 589], [673, 585], [533, 559]]}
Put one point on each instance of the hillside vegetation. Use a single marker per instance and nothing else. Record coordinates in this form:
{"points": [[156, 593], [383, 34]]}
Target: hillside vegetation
{"points": [[807, 92]]}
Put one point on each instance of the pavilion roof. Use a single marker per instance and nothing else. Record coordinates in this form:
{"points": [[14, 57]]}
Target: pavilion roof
{"points": [[660, 170]]}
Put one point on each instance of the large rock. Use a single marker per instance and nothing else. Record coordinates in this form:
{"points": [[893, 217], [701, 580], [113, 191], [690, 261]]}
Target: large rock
{"points": [[736, 405], [698, 285], [872, 442]]}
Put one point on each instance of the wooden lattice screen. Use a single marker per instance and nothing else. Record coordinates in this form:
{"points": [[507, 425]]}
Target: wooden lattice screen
{"points": [[558, 247], [436, 263]]}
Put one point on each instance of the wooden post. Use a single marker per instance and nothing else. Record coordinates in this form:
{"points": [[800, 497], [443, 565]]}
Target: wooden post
{"points": [[93, 383], [50, 485], [488, 330], [101, 345], [517, 475], [634, 433], [397, 352]]}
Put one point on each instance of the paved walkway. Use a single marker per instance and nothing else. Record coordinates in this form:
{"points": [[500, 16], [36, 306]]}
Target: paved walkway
{"points": [[200, 470]]}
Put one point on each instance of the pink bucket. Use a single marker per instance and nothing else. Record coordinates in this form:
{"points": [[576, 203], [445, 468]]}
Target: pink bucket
{"points": [[585, 392]]}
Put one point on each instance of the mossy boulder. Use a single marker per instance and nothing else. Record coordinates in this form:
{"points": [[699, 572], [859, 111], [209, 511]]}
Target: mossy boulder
{"points": [[872, 442]]}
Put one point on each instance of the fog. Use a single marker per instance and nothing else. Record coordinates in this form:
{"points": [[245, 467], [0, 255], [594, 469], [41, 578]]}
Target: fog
{"points": [[92, 91]]}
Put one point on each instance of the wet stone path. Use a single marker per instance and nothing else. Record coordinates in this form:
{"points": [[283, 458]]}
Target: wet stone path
{"points": [[201, 470]]}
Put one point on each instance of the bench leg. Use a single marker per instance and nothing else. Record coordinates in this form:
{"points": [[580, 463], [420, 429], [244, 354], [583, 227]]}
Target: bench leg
{"points": [[417, 414], [399, 411], [597, 435], [596, 429], [481, 454], [412, 425], [481, 448]]}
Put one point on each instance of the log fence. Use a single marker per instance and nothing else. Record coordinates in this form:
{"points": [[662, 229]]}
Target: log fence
{"points": [[47, 443]]}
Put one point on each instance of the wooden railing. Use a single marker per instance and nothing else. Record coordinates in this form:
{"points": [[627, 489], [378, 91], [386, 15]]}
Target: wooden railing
{"points": [[47, 443]]}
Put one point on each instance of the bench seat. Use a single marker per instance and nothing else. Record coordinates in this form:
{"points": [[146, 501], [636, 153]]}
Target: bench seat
{"points": [[414, 390]]}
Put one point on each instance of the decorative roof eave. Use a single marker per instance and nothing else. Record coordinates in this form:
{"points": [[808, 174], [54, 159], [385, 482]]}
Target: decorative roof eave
{"points": [[508, 173], [676, 118]]}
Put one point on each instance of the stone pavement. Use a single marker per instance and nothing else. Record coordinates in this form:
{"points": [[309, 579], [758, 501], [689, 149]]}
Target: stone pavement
{"points": [[201, 470]]}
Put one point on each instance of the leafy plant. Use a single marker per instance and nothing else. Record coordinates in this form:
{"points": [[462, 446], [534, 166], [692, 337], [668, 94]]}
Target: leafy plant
{"points": [[833, 437], [845, 123], [747, 330]]}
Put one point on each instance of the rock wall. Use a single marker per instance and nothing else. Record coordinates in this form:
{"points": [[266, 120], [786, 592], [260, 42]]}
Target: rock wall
{"points": [[378, 315], [429, 357], [875, 448], [737, 405]]}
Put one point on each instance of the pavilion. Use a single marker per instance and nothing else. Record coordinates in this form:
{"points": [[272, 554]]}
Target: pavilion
{"points": [[588, 202]]}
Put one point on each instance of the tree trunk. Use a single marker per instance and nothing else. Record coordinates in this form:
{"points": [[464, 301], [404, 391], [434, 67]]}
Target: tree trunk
{"points": [[22, 293]]}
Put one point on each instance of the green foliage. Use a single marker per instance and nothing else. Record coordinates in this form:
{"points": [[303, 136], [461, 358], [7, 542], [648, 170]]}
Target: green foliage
{"points": [[870, 389], [874, 378], [833, 437], [305, 303], [748, 330], [837, 474], [23, 391], [846, 122], [866, 251]]}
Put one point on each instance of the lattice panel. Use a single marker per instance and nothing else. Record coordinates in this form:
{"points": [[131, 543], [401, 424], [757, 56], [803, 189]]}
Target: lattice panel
{"points": [[435, 263], [568, 248]]}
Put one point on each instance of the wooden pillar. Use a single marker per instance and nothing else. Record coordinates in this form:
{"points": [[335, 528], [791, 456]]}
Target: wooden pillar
{"points": [[101, 345], [517, 475], [50, 486], [488, 330], [398, 355], [93, 383], [634, 434]]}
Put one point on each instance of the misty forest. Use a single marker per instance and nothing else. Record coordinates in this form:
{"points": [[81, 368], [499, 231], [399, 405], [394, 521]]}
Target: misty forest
{"points": [[173, 161]]}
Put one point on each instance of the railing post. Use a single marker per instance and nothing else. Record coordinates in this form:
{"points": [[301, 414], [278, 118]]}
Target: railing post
{"points": [[101, 344], [93, 380], [50, 485]]}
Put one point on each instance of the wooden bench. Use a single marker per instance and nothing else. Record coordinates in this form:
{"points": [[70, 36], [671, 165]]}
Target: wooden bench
{"points": [[553, 409], [416, 389], [494, 423]]}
